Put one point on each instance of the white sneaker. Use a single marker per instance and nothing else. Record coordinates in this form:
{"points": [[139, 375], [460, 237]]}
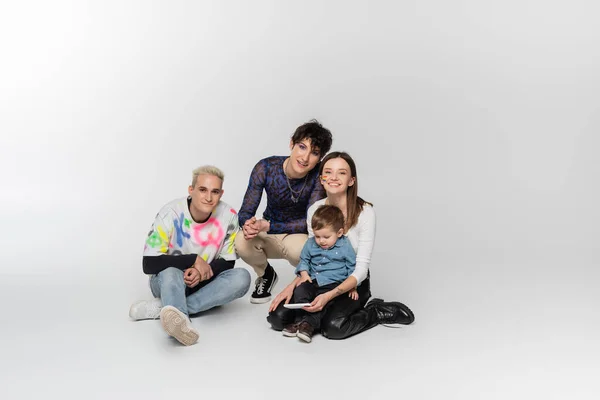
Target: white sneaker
{"points": [[178, 325], [145, 309]]}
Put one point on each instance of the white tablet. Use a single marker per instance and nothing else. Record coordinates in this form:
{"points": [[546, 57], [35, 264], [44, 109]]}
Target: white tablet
{"points": [[297, 305]]}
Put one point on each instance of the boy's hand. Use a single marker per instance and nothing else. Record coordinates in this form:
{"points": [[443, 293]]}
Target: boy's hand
{"points": [[303, 278], [353, 294]]}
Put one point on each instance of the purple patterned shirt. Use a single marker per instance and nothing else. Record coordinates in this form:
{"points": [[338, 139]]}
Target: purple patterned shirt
{"points": [[284, 215]]}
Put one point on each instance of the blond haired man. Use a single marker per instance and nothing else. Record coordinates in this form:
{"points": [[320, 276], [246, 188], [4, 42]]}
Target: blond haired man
{"points": [[190, 257]]}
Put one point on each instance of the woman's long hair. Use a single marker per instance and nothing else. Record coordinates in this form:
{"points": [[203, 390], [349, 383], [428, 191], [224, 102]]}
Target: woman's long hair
{"points": [[353, 201]]}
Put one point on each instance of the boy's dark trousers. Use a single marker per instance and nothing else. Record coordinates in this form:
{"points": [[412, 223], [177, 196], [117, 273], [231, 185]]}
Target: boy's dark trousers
{"points": [[306, 293]]}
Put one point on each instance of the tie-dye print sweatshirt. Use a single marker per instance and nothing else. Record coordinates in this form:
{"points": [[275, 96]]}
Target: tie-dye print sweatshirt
{"points": [[284, 215], [175, 232]]}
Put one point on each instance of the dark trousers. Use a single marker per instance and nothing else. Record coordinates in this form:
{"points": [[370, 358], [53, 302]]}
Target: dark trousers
{"points": [[306, 293], [341, 318]]}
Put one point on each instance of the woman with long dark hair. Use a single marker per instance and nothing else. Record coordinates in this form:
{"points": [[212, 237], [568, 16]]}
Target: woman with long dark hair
{"points": [[343, 316]]}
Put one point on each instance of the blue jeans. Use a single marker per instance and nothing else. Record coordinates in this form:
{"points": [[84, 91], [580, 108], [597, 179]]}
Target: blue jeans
{"points": [[225, 287]]}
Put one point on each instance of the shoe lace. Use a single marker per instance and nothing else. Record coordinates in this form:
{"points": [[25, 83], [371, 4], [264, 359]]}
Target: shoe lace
{"points": [[260, 285]]}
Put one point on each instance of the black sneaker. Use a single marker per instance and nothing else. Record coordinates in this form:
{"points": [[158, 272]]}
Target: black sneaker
{"points": [[264, 285]]}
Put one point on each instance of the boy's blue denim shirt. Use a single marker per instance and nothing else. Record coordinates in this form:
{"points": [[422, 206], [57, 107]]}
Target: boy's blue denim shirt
{"points": [[327, 265]]}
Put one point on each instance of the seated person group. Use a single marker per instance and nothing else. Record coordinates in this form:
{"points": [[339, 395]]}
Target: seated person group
{"points": [[314, 219]]}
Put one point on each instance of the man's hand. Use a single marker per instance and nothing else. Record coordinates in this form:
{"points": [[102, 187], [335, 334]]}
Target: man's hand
{"points": [[191, 277], [250, 229], [263, 225], [203, 269], [353, 294], [253, 226]]}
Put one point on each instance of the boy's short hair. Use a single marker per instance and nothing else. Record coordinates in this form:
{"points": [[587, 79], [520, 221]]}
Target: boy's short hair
{"points": [[207, 170], [328, 216], [320, 137]]}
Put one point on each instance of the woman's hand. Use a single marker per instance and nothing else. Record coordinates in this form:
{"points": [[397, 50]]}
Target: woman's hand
{"points": [[319, 302], [286, 294]]}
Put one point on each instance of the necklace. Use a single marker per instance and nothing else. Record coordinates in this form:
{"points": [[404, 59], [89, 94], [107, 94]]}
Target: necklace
{"points": [[293, 192]]}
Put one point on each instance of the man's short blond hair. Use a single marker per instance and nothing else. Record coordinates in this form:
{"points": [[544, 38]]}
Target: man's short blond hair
{"points": [[207, 170]]}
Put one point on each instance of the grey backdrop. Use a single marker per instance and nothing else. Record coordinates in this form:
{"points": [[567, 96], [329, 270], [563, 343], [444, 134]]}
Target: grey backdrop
{"points": [[474, 125]]}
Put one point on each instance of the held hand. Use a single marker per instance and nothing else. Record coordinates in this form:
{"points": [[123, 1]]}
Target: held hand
{"points": [[191, 277], [203, 269], [318, 303], [285, 295], [353, 294], [250, 228], [263, 225]]}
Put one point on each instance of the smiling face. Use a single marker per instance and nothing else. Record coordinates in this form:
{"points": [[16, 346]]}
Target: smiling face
{"points": [[303, 158], [205, 196], [336, 177], [327, 236]]}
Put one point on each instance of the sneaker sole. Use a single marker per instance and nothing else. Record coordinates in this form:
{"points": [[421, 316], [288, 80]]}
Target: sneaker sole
{"points": [[289, 334], [304, 337], [175, 324], [259, 300]]}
